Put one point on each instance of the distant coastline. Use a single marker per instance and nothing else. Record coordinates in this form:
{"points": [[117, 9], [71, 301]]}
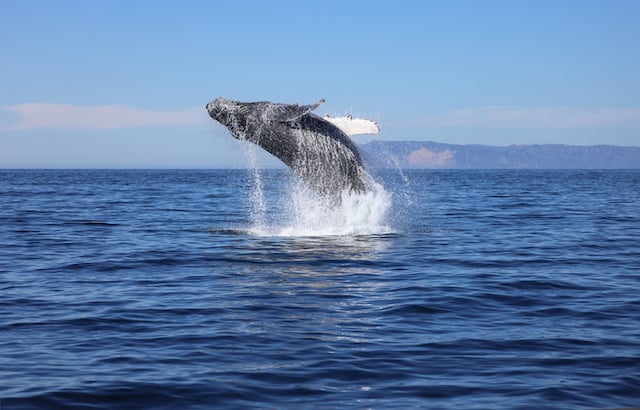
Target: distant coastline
{"points": [[435, 155], [416, 155]]}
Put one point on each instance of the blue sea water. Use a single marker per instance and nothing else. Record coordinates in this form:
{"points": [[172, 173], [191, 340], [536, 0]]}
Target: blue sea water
{"points": [[209, 289]]}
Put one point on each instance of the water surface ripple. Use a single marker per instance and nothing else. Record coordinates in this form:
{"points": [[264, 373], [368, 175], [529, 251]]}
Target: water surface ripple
{"points": [[148, 289]]}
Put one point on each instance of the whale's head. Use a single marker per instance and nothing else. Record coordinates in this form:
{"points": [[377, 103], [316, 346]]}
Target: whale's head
{"points": [[234, 115], [224, 111]]}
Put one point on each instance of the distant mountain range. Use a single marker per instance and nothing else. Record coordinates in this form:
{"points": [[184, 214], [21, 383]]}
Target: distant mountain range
{"points": [[427, 154]]}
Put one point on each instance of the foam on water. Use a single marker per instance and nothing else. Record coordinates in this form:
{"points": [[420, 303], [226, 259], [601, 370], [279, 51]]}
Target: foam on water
{"points": [[307, 215]]}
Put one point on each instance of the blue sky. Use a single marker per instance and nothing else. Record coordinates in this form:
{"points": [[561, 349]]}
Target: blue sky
{"points": [[97, 84]]}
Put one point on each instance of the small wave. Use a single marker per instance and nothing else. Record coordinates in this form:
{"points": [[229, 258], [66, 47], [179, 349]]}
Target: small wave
{"points": [[229, 231]]}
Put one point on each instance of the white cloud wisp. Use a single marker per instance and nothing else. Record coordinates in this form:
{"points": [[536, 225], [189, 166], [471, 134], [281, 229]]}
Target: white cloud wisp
{"points": [[67, 116]]}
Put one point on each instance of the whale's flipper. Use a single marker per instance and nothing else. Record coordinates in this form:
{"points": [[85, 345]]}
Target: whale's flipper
{"points": [[293, 112], [354, 126]]}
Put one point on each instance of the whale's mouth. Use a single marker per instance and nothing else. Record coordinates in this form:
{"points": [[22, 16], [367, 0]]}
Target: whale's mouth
{"points": [[212, 109], [221, 110], [219, 105]]}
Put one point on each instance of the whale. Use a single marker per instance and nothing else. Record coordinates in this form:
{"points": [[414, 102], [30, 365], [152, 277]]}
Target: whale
{"points": [[318, 150]]}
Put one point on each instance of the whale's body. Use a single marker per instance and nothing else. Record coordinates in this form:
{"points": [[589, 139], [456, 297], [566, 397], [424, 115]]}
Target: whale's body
{"points": [[319, 152]]}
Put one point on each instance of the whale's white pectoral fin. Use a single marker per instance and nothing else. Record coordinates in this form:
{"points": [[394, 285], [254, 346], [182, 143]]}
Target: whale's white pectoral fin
{"points": [[354, 126]]}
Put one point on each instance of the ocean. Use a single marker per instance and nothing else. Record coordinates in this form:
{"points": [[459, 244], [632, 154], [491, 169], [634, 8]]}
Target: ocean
{"points": [[200, 289]]}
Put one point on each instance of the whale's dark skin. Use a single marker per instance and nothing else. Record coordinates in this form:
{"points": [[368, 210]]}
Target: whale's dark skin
{"points": [[321, 154]]}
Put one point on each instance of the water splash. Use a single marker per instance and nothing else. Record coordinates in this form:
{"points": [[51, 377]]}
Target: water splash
{"points": [[355, 214], [258, 203], [403, 196], [405, 180], [308, 215]]}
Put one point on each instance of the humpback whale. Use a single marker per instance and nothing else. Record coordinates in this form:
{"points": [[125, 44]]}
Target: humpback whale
{"points": [[316, 149]]}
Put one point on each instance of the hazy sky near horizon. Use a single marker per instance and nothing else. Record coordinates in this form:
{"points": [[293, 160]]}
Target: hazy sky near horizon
{"points": [[95, 84]]}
